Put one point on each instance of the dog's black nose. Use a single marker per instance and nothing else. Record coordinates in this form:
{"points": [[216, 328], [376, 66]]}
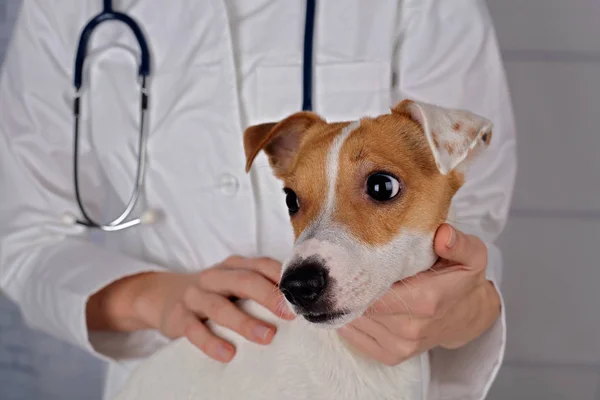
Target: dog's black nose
{"points": [[305, 284]]}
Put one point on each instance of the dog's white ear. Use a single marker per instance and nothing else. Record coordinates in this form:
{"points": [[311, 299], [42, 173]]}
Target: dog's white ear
{"points": [[280, 141], [455, 136]]}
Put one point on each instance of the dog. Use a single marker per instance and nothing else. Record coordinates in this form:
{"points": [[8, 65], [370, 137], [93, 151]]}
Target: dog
{"points": [[365, 199]]}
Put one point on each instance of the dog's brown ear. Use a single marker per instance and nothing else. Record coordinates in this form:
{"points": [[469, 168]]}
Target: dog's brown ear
{"points": [[455, 136], [280, 141]]}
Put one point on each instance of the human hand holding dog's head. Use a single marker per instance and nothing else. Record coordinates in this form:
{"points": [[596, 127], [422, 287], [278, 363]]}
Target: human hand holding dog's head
{"points": [[448, 305]]}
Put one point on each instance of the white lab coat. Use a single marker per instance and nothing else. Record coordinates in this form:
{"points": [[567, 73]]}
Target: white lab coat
{"points": [[219, 66]]}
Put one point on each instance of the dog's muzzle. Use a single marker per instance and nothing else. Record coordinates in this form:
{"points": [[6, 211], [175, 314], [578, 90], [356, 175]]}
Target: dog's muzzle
{"points": [[306, 284]]}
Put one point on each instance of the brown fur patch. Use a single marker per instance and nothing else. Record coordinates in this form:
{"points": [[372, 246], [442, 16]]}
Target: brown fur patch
{"points": [[391, 143], [472, 134], [456, 126], [450, 147], [434, 137], [395, 145], [307, 176], [280, 141]]}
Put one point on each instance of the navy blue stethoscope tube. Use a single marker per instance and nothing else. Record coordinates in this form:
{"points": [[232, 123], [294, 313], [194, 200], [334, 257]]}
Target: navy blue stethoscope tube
{"points": [[307, 68], [109, 14]]}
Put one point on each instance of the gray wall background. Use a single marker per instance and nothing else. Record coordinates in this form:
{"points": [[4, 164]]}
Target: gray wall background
{"points": [[552, 53]]}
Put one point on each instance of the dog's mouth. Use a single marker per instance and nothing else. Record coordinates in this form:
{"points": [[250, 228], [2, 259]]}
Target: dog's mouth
{"points": [[324, 317]]}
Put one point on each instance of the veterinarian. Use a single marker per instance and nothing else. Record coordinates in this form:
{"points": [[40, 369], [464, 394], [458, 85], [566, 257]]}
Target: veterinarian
{"points": [[216, 232]]}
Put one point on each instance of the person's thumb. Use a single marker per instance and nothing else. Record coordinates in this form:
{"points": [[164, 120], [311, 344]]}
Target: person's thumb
{"points": [[460, 248]]}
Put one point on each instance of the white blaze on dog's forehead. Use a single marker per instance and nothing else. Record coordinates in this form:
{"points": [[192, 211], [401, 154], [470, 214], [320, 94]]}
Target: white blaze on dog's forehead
{"points": [[332, 164]]}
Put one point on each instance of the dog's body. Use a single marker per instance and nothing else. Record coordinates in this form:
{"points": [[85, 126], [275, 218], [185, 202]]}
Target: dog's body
{"points": [[365, 199], [303, 362]]}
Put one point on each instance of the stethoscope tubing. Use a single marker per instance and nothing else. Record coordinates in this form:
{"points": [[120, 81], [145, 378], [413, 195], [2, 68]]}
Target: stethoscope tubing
{"points": [[108, 14]]}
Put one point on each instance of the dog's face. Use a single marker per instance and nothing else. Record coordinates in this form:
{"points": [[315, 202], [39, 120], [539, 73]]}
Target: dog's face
{"points": [[365, 199]]}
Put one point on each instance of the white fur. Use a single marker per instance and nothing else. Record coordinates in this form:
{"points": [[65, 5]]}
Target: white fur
{"points": [[302, 363], [333, 163], [363, 273]]}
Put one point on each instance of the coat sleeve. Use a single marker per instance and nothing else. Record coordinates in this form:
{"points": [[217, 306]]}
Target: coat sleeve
{"points": [[447, 53], [48, 268]]}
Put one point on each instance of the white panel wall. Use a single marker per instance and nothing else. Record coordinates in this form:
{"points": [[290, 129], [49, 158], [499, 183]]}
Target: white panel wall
{"points": [[552, 53]]}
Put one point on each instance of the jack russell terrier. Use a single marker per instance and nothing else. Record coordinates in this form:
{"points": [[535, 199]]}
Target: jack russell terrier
{"points": [[365, 199]]}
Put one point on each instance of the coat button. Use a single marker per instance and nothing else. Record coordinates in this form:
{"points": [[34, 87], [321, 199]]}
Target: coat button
{"points": [[229, 184]]}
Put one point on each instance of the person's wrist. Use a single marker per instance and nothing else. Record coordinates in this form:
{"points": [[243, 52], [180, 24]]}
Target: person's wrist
{"points": [[151, 294], [113, 308]]}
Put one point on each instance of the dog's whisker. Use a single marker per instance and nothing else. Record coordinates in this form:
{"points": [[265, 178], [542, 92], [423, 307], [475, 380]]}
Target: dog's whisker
{"points": [[360, 323], [405, 283], [434, 270], [281, 304], [405, 304], [370, 309], [386, 305]]}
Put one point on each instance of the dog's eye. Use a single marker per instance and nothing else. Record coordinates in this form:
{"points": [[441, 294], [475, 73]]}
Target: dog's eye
{"points": [[291, 200], [382, 187]]}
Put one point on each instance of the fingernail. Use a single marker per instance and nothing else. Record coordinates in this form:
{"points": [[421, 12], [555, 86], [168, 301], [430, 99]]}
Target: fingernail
{"points": [[224, 352], [452, 239], [261, 332]]}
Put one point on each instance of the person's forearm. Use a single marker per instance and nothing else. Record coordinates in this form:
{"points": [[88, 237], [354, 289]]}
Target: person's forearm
{"points": [[113, 308]]}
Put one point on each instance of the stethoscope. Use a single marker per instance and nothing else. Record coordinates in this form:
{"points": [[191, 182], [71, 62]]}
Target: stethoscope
{"points": [[149, 216]]}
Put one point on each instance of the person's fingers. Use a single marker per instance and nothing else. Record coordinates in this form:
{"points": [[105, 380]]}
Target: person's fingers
{"points": [[472, 316], [405, 326], [428, 294], [375, 330], [176, 320], [245, 284], [182, 322], [364, 344], [397, 348], [466, 250], [200, 336], [223, 312], [266, 266]]}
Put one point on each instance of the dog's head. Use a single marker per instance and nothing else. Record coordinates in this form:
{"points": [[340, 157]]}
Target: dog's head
{"points": [[365, 199]]}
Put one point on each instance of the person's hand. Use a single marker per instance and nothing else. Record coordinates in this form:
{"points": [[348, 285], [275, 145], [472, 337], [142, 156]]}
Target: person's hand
{"points": [[177, 304], [447, 306]]}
